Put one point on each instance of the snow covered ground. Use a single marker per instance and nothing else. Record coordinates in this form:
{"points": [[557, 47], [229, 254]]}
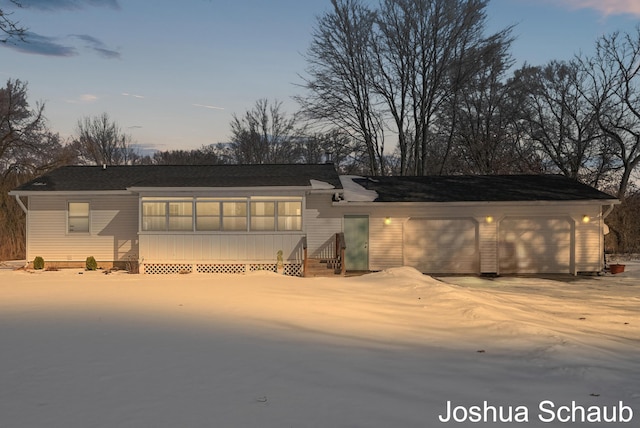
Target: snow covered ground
{"points": [[388, 349]]}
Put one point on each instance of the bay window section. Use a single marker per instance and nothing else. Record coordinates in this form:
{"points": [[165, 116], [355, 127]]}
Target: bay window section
{"points": [[207, 214]]}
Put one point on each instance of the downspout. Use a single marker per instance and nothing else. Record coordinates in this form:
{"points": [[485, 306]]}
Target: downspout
{"points": [[604, 255], [606, 213], [26, 211]]}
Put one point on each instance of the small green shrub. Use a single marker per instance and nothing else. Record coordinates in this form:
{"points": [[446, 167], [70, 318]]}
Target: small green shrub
{"points": [[91, 263], [38, 263]]}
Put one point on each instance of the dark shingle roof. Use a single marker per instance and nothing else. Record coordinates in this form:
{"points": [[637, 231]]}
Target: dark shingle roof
{"points": [[78, 178], [480, 188]]}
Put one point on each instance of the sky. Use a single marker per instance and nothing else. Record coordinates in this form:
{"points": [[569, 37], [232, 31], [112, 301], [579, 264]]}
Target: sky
{"points": [[172, 74]]}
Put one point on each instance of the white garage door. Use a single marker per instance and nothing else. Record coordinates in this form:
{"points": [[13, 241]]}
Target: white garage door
{"points": [[441, 245], [535, 245]]}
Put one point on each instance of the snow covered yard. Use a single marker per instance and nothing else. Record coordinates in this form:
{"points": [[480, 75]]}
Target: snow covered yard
{"points": [[388, 349]]}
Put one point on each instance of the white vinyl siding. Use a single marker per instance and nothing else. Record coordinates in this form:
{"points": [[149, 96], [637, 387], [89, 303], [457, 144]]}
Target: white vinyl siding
{"points": [[227, 247], [322, 222], [386, 245], [113, 233]]}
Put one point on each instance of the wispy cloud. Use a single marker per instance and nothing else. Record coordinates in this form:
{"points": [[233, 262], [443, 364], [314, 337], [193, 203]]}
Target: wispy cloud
{"points": [[84, 99], [126, 94], [37, 44], [607, 7], [97, 46], [208, 106], [51, 5]]}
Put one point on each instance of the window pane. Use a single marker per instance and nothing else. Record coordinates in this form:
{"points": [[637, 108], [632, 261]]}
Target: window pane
{"points": [[180, 223], [208, 223], [78, 224], [154, 223], [154, 208], [289, 223], [154, 216], [78, 209], [78, 216], [234, 223], [290, 215], [290, 208], [263, 223], [263, 208], [180, 208], [208, 208], [234, 209]]}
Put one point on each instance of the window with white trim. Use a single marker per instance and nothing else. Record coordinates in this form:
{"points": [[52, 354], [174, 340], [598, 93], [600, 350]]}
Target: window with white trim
{"points": [[78, 217], [154, 215], [167, 215], [289, 215], [208, 216], [263, 216], [180, 216]]}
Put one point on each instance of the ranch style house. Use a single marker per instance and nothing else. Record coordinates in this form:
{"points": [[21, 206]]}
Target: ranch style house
{"points": [[308, 220]]}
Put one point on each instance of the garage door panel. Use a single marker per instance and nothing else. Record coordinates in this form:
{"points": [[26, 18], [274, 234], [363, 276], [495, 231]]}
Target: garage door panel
{"points": [[535, 245], [441, 245]]}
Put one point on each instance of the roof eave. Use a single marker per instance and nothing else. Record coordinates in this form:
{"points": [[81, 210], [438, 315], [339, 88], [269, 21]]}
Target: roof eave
{"points": [[475, 203], [67, 192], [217, 189]]}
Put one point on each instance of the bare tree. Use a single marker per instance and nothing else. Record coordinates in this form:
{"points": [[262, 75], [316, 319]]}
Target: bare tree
{"points": [[27, 149], [339, 90], [624, 224], [205, 155], [99, 141], [336, 147], [10, 28], [264, 134], [614, 93], [396, 70], [561, 122], [26, 144]]}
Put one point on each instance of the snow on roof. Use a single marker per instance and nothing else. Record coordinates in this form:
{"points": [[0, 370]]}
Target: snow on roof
{"points": [[354, 192], [321, 185]]}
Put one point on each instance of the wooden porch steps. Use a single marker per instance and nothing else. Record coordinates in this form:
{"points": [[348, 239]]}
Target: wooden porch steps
{"points": [[322, 268]]}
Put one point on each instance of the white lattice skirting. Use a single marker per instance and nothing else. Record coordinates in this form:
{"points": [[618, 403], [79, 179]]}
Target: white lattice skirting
{"points": [[290, 269]]}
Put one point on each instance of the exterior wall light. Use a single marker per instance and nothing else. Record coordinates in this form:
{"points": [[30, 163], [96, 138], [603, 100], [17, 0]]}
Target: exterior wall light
{"points": [[387, 221], [586, 219], [489, 219]]}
